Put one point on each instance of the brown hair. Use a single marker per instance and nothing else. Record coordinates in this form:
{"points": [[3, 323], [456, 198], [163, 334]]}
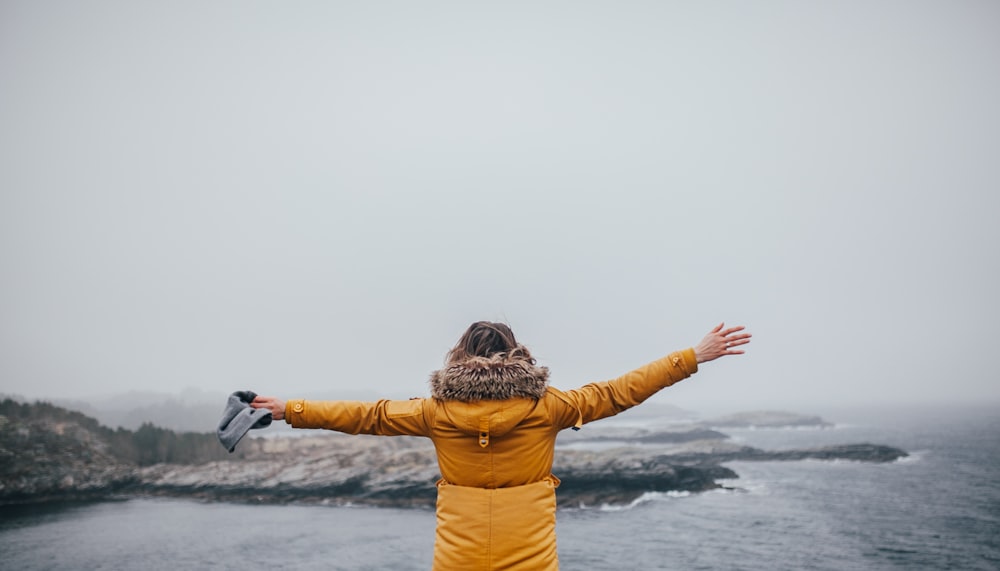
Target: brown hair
{"points": [[488, 339]]}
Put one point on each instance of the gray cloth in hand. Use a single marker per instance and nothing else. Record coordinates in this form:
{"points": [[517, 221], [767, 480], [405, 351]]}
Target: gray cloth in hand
{"points": [[239, 417]]}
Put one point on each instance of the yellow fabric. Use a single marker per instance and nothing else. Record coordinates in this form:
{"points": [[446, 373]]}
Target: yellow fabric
{"points": [[519, 436], [481, 529]]}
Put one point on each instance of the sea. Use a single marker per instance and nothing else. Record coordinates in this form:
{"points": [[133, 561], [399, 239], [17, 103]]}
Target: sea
{"points": [[939, 508]]}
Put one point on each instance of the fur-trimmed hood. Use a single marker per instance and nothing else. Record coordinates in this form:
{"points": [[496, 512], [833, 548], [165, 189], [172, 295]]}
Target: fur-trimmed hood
{"points": [[489, 378]]}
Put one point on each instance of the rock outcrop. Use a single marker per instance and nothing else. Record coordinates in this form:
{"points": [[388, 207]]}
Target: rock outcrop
{"points": [[324, 468], [68, 456]]}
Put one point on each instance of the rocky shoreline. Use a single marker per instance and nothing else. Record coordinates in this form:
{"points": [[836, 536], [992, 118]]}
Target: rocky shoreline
{"points": [[62, 461], [335, 470]]}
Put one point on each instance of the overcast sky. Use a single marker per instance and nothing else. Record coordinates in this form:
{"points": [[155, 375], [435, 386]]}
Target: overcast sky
{"points": [[317, 198]]}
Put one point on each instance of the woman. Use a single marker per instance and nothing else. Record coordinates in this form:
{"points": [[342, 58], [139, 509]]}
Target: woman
{"points": [[493, 420]]}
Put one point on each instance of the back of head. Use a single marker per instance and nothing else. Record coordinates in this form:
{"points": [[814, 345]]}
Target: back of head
{"points": [[488, 339]]}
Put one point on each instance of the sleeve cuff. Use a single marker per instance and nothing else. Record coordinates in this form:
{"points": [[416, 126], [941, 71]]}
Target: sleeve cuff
{"points": [[293, 410], [690, 360]]}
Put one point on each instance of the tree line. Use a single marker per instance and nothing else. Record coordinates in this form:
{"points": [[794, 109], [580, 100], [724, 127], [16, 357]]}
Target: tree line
{"points": [[147, 445]]}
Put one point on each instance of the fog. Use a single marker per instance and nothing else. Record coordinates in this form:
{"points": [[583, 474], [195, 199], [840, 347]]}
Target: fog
{"points": [[313, 199]]}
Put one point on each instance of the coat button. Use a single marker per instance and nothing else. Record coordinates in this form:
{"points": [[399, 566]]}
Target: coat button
{"points": [[297, 407]]}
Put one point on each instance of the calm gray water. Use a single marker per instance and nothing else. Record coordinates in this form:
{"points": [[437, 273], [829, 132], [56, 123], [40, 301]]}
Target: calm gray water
{"points": [[939, 509]]}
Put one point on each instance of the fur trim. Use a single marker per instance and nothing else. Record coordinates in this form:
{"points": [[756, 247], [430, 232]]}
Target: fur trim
{"points": [[493, 378]]}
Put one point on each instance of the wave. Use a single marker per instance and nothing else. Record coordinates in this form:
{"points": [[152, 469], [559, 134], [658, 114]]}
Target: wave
{"points": [[645, 498], [914, 457]]}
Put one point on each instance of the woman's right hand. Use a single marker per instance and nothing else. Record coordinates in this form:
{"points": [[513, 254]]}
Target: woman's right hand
{"points": [[273, 404], [720, 342]]}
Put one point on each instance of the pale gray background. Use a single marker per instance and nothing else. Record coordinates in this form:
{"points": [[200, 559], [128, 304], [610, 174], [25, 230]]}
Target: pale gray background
{"points": [[308, 198]]}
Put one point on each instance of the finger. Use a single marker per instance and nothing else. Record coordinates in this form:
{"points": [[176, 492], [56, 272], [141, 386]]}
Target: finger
{"points": [[732, 330], [718, 327]]}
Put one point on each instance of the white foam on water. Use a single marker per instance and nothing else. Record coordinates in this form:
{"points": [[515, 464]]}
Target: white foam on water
{"points": [[645, 498]]}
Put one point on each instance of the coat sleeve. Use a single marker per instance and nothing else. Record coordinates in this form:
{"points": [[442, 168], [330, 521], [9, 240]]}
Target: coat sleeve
{"points": [[384, 417], [601, 400]]}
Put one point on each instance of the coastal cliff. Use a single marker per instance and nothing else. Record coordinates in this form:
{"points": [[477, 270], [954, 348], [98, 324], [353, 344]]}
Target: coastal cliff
{"points": [[48, 453], [52, 454]]}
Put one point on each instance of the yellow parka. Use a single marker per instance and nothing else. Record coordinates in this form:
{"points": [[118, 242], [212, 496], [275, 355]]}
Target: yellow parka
{"points": [[493, 422]]}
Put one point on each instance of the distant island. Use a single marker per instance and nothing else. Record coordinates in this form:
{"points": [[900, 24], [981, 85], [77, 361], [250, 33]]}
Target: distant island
{"points": [[49, 453], [767, 419]]}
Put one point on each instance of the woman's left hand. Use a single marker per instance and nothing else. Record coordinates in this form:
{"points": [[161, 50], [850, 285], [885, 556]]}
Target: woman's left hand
{"points": [[720, 342], [273, 404]]}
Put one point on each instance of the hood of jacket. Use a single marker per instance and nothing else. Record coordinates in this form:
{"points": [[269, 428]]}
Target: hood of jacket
{"points": [[489, 394], [488, 379]]}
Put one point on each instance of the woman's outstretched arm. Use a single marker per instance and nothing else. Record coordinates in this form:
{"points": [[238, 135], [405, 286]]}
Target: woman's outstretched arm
{"points": [[600, 400], [384, 417]]}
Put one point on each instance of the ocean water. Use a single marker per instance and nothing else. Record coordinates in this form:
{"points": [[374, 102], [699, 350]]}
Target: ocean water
{"points": [[937, 509]]}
